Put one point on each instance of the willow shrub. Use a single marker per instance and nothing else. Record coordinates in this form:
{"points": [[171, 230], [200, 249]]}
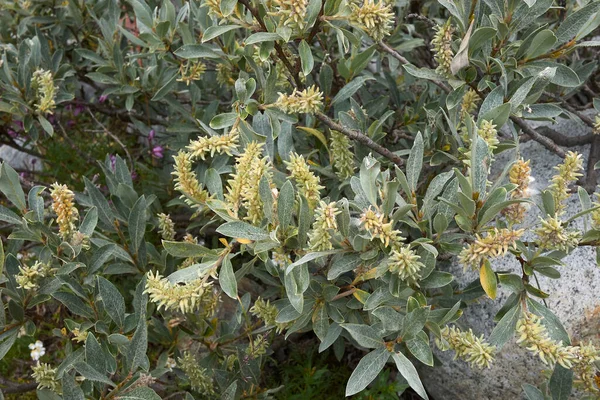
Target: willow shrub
{"points": [[324, 160]]}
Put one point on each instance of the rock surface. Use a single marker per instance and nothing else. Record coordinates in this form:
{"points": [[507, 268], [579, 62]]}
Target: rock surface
{"points": [[573, 298]]}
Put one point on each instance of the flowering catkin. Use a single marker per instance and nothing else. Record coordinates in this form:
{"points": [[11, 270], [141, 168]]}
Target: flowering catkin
{"points": [[166, 227], [186, 181], [320, 236], [474, 350], [534, 336], [469, 103], [307, 101], [568, 172], [553, 235], [520, 175], [29, 277], [45, 376], [190, 71], [496, 243], [442, 48], [373, 223], [292, 12], [343, 156], [487, 131], [238, 183], [374, 17], [200, 380], [46, 91], [597, 125], [202, 146], [193, 296], [63, 206], [405, 263], [307, 183]]}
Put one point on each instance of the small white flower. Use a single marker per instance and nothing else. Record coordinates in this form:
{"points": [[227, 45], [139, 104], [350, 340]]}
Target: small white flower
{"points": [[37, 350], [171, 363]]}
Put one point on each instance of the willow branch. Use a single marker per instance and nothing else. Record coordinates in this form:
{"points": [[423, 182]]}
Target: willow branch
{"points": [[361, 138], [543, 140]]}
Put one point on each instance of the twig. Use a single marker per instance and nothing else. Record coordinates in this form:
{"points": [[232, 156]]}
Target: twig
{"points": [[404, 61], [361, 138], [278, 48], [591, 176], [115, 138], [586, 120], [567, 141], [544, 141]]}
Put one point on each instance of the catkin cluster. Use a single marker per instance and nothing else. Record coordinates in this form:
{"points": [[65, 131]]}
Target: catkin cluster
{"points": [[474, 350], [320, 235], [166, 227], [195, 296], [307, 101], [405, 263], [553, 235], [495, 244], [520, 175], [442, 48], [243, 187], [307, 183], [46, 91], [223, 144], [29, 277], [63, 206], [200, 380], [343, 156], [374, 17], [568, 172], [373, 222], [186, 181], [45, 377]]}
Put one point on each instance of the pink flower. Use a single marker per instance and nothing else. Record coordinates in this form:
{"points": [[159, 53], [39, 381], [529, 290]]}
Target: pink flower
{"points": [[113, 162], [157, 152], [103, 98], [151, 135]]}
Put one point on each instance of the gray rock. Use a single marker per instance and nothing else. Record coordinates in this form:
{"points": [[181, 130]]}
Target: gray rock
{"points": [[573, 298]]}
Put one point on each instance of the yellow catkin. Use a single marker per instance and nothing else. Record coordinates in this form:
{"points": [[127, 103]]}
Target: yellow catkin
{"points": [[63, 206]]}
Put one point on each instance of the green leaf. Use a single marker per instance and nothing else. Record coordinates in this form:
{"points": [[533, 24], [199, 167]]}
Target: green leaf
{"points": [[217, 30], [367, 370], [89, 222], [369, 171], [571, 26], [347, 91], [97, 198], [74, 304], [415, 162], [46, 125], [137, 223], [541, 43], [224, 120], [306, 58], [505, 328], [7, 215], [192, 51], [227, 279], [423, 73], [242, 230], [409, 372], [343, 264], [113, 301], [532, 392], [94, 355], [88, 372], [8, 341], [260, 37], [561, 383], [414, 322], [498, 115], [185, 249], [1, 272], [70, 389], [364, 335], [140, 393], [309, 257], [419, 347], [436, 279], [285, 205], [488, 280], [136, 351], [479, 165], [555, 329], [10, 186]]}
